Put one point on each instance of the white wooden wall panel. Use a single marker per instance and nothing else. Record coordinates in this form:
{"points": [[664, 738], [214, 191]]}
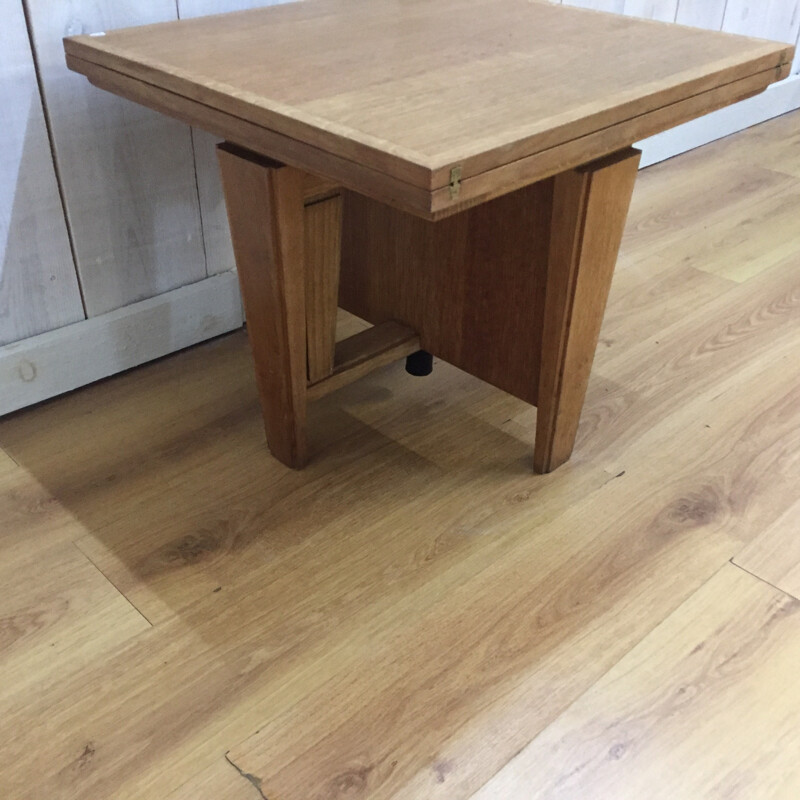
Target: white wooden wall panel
{"points": [[127, 173], [219, 251], [43, 366], [663, 10], [38, 285], [614, 6], [768, 19], [796, 65], [702, 13]]}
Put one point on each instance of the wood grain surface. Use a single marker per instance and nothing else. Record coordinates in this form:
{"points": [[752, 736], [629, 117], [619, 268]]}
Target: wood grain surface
{"points": [[415, 609], [216, 234], [590, 207], [413, 92], [472, 285]]}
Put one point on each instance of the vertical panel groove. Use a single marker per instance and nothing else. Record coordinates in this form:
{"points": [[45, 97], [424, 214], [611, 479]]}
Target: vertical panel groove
{"points": [[49, 128]]}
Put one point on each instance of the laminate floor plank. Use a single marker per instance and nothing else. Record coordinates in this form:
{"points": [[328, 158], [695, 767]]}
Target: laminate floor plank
{"points": [[403, 617], [704, 707], [220, 781], [774, 555]]}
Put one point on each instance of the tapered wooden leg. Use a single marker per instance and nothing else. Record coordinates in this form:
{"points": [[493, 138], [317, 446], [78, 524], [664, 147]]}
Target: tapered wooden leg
{"points": [[266, 214], [590, 206]]}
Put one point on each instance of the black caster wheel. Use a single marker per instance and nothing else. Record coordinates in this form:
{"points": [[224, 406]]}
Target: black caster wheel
{"points": [[419, 363]]}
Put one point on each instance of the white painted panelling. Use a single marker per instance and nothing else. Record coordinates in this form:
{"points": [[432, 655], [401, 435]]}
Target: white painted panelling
{"points": [[780, 98], [38, 285], [216, 234], [663, 10], [53, 363], [702, 13], [767, 19], [796, 65], [127, 173], [614, 6]]}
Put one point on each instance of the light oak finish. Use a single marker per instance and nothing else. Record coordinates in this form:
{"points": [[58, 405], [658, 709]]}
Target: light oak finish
{"points": [[480, 226], [472, 214], [405, 100], [266, 213], [590, 206], [413, 600], [323, 244], [439, 203], [704, 707], [774, 555], [512, 289], [363, 352], [471, 285], [286, 230], [217, 782]]}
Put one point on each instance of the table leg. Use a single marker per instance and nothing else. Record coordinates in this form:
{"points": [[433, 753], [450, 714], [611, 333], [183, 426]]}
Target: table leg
{"points": [[590, 206], [266, 214]]}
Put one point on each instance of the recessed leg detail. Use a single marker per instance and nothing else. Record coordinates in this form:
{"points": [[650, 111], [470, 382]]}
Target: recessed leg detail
{"points": [[590, 206], [266, 214]]}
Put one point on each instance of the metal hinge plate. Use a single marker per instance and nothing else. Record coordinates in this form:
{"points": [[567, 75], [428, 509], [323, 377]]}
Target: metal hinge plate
{"points": [[455, 182]]}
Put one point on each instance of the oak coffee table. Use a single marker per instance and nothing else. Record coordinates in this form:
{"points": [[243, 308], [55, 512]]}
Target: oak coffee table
{"points": [[457, 173]]}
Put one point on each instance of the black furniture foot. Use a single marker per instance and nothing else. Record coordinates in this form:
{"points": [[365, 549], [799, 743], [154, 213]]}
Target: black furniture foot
{"points": [[419, 363]]}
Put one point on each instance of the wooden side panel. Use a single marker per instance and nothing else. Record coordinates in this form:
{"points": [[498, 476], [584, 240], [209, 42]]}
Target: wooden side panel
{"points": [[471, 285], [265, 209], [127, 173], [323, 240], [38, 285], [590, 206]]}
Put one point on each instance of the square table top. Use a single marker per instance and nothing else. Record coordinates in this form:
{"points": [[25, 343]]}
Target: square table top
{"points": [[413, 101]]}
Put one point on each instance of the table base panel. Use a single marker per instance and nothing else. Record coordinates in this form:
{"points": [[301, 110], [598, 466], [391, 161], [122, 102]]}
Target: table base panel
{"points": [[512, 291], [471, 285]]}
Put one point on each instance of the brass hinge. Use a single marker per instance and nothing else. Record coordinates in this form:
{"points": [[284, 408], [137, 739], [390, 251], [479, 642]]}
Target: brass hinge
{"points": [[455, 182]]}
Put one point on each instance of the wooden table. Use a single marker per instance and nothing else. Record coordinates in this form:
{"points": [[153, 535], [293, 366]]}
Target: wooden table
{"points": [[457, 173]]}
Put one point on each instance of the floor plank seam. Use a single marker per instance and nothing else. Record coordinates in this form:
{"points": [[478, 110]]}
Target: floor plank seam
{"points": [[252, 779], [116, 588], [763, 580], [13, 460], [600, 677]]}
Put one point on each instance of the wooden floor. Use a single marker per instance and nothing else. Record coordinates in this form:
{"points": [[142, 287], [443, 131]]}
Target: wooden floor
{"points": [[417, 616]]}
